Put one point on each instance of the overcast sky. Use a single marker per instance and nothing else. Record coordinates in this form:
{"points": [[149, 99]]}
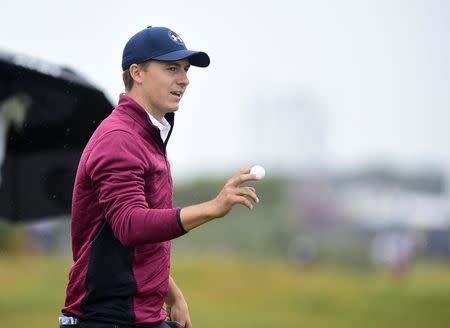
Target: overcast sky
{"points": [[291, 83]]}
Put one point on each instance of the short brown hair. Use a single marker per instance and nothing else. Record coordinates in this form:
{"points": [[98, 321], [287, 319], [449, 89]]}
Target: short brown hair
{"points": [[128, 79]]}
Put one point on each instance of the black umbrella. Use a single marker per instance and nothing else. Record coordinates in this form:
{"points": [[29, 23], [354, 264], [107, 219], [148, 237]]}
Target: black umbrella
{"points": [[47, 114]]}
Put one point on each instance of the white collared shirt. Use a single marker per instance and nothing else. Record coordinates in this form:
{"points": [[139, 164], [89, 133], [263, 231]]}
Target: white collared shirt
{"points": [[163, 126]]}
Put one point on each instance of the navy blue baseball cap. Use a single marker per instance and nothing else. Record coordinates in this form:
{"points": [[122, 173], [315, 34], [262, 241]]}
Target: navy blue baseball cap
{"points": [[159, 43]]}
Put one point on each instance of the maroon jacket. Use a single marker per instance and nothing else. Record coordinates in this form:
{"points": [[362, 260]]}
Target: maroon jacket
{"points": [[122, 222]]}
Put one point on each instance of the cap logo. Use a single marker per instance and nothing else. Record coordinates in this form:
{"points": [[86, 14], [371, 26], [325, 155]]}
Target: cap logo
{"points": [[176, 38]]}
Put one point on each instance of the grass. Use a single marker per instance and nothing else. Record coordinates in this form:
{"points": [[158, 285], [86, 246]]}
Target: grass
{"points": [[228, 291]]}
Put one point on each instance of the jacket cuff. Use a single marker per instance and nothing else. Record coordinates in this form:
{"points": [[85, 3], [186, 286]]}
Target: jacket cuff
{"points": [[179, 221]]}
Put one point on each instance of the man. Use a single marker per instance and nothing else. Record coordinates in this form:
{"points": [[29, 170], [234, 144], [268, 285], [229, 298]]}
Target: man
{"points": [[122, 214]]}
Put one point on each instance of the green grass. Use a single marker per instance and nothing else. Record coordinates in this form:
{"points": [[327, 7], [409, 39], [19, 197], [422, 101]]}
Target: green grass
{"points": [[226, 291]]}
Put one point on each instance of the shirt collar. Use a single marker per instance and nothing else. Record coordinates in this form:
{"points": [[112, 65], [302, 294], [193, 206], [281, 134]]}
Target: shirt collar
{"points": [[163, 126]]}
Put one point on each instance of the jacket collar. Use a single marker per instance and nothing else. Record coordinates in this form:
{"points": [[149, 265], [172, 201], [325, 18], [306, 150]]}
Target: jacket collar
{"points": [[138, 113]]}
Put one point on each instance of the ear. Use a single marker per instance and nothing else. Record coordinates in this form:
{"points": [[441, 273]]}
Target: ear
{"points": [[136, 73]]}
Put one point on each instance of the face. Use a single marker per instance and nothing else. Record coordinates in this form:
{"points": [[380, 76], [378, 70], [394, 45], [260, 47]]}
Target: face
{"points": [[163, 84]]}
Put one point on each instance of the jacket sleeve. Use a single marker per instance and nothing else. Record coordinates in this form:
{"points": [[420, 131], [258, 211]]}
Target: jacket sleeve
{"points": [[116, 168]]}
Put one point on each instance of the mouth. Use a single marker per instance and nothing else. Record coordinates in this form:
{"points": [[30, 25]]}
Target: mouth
{"points": [[177, 94]]}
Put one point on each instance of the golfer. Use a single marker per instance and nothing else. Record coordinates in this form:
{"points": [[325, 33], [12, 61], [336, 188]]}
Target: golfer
{"points": [[123, 218]]}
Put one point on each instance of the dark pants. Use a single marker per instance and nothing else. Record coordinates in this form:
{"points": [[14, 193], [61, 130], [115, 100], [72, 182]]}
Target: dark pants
{"points": [[96, 324]]}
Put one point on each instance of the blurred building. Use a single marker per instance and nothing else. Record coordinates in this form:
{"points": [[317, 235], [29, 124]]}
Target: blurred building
{"points": [[386, 213]]}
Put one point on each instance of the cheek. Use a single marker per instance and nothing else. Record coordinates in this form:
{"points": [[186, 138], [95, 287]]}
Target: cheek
{"points": [[158, 87], [154, 90]]}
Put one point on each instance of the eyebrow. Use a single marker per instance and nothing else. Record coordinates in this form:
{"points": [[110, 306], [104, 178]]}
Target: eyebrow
{"points": [[176, 64]]}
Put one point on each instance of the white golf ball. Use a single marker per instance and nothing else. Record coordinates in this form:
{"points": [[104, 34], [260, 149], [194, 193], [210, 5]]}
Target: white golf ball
{"points": [[258, 170]]}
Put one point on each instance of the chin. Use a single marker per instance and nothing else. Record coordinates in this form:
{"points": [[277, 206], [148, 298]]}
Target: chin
{"points": [[172, 109]]}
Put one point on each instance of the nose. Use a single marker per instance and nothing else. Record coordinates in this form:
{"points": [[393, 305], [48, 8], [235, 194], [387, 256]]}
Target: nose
{"points": [[183, 81]]}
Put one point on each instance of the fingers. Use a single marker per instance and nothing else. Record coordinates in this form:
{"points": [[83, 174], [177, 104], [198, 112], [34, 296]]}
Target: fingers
{"points": [[245, 170], [243, 195], [180, 314], [181, 321], [241, 178], [244, 201], [249, 192], [186, 323], [233, 194]]}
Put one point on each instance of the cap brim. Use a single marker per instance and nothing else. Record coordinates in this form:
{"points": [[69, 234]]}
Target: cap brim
{"points": [[196, 58]]}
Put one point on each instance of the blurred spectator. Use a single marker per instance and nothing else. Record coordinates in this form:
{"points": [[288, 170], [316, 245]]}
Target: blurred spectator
{"points": [[395, 250], [302, 250], [13, 111], [42, 236]]}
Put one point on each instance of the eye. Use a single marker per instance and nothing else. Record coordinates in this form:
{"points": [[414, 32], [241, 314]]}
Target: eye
{"points": [[172, 68], [186, 68]]}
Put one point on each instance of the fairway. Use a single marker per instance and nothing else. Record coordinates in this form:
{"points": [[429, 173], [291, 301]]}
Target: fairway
{"points": [[226, 291]]}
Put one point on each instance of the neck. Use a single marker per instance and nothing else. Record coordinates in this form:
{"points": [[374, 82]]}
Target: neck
{"points": [[140, 99]]}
